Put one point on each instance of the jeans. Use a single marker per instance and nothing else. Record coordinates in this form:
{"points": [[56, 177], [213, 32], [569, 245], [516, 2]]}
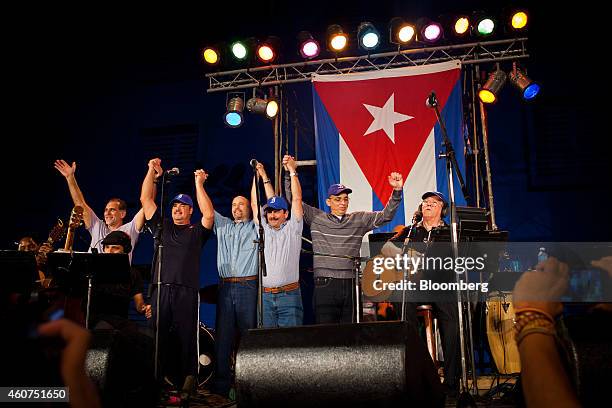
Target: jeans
{"points": [[333, 300], [283, 309], [236, 313]]}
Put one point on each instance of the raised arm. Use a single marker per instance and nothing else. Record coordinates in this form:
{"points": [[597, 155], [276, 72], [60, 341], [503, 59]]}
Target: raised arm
{"points": [[68, 171], [254, 206], [377, 219], [261, 171], [206, 206], [147, 194], [297, 208]]}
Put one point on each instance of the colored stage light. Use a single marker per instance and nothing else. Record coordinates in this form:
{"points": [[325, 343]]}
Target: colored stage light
{"points": [[239, 50], [210, 55], [368, 36], [519, 20], [462, 25], [489, 91], [337, 39], [265, 53], [309, 47], [233, 115], [528, 88], [431, 31], [485, 26], [400, 32], [263, 107]]}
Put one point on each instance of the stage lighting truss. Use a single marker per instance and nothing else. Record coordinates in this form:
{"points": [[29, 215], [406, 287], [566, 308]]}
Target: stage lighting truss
{"points": [[489, 91], [235, 106], [482, 52], [308, 46], [368, 36], [527, 87]]}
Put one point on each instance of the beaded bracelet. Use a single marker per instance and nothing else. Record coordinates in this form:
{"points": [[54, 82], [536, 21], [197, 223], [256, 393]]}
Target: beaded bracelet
{"points": [[534, 318], [532, 330]]}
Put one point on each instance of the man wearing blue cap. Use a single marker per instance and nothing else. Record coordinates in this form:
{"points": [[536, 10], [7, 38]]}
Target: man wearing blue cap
{"points": [[180, 268], [282, 298], [341, 233], [432, 211]]}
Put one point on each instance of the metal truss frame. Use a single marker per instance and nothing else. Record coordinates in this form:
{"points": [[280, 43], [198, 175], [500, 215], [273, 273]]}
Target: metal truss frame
{"points": [[270, 75]]}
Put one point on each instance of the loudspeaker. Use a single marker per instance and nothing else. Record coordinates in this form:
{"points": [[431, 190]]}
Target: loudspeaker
{"points": [[120, 363], [381, 364]]}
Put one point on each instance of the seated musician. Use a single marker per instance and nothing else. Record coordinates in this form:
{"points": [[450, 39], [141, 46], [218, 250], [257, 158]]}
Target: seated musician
{"points": [[27, 244], [110, 302], [432, 210]]}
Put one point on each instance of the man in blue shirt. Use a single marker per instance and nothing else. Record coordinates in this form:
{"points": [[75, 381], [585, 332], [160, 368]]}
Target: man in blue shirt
{"points": [[237, 296], [282, 298]]}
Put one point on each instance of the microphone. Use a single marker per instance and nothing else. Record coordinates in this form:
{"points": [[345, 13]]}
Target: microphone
{"points": [[431, 100], [253, 163], [418, 216], [173, 171]]}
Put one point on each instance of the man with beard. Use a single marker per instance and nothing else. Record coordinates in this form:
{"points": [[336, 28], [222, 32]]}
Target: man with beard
{"points": [[282, 298], [181, 244]]}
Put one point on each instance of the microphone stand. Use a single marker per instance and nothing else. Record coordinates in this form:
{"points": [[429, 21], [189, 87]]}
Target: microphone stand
{"points": [[405, 276], [261, 272], [158, 266], [465, 398], [357, 269]]}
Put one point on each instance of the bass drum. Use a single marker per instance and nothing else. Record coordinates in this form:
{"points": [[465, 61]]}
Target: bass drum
{"points": [[500, 333], [206, 342]]}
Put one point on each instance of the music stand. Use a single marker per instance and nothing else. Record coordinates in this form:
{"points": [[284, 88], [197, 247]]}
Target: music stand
{"points": [[19, 271], [71, 269]]}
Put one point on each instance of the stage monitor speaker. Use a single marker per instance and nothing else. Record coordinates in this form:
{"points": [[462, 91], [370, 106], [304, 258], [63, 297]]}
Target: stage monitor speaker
{"points": [[120, 364], [382, 364]]}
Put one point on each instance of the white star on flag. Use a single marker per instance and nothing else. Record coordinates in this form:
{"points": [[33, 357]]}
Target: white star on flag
{"points": [[385, 118]]}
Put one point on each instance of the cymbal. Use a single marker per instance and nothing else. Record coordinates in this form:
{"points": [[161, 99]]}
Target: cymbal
{"points": [[208, 294]]}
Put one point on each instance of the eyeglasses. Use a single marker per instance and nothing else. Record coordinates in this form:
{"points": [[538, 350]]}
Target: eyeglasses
{"points": [[432, 203]]}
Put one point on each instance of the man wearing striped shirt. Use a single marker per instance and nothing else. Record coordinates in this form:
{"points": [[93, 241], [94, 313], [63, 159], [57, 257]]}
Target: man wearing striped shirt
{"points": [[340, 233]]}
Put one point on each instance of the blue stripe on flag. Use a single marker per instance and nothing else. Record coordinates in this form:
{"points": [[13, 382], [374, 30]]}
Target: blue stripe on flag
{"points": [[327, 148]]}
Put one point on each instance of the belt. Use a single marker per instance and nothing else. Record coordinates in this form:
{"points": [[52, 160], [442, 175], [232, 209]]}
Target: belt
{"points": [[286, 288], [239, 279]]}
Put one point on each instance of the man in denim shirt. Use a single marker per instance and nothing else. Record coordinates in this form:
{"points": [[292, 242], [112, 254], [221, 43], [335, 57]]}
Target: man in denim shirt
{"points": [[237, 296]]}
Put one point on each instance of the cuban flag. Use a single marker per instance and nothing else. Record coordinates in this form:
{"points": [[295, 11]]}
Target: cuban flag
{"points": [[370, 124]]}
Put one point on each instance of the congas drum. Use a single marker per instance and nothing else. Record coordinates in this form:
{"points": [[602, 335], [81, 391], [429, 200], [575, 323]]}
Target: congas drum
{"points": [[206, 343], [500, 333]]}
